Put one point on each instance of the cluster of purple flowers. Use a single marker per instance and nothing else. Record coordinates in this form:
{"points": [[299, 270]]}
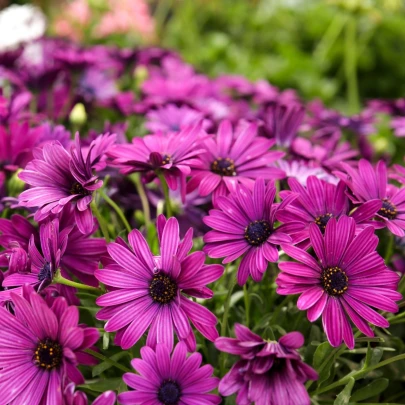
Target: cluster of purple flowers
{"points": [[254, 170]]}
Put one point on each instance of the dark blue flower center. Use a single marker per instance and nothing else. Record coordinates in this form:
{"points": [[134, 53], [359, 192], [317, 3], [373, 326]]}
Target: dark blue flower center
{"points": [[223, 166], [334, 281], [77, 188], [162, 289], [48, 354], [257, 232], [166, 159], [322, 221], [169, 393], [45, 273], [388, 209]]}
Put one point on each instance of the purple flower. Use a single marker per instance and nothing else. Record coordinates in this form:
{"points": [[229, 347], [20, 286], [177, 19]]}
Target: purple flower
{"points": [[328, 155], [165, 380], [369, 183], [268, 373], [169, 153], [318, 203], [301, 171], [41, 348], [243, 225], [59, 177], [81, 254], [72, 397], [234, 157], [347, 278], [148, 291], [282, 121], [171, 118], [16, 144], [96, 86]]}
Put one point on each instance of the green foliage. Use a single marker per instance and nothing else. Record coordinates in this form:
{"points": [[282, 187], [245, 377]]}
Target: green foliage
{"points": [[298, 44]]}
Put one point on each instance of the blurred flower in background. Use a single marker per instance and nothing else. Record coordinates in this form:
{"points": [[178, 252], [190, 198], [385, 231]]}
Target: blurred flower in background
{"points": [[104, 18], [19, 25]]}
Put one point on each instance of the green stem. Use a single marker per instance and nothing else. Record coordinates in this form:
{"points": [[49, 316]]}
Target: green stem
{"points": [[247, 304], [329, 38], [336, 352], [359, 374], [224, 323], [59, 279], [277, 311], [168, 205], [350, 63], [107, 359], [117, 209], [389, 249], [136, 179], [101, 220]]}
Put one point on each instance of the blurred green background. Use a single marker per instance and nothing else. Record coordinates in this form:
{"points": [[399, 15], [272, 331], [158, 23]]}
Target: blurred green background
{"points": [[342, 51]]}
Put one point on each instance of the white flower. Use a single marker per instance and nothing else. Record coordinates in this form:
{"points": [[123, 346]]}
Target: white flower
{"points": [[20, 24]]}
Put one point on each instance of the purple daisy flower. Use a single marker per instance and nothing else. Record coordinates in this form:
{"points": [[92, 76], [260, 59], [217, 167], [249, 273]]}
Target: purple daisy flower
{"points": [[165, 380], [243, 225], [234, 157], [282, 121], [72, 397], [41, 348], [81, 255], [169, 153], [268, 373], [301, 171], [318, 203], [149, 291], [43, 265], [171, 118], [59, 178], [348, 278], [369, 183]]}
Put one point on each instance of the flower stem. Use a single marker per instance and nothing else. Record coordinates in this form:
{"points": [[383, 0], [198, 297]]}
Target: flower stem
{"points": [[101, 220], [389, 249], [224, 322], [247, 304], [359, 374], [117, 209], [336, 352], [136, 179], [165, 187], [59, 279], [350, 64], [107, 359]]}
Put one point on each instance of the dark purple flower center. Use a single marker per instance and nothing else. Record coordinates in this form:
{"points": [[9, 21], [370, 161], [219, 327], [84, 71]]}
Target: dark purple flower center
{"points": [[48, 354], [334, 281], [388, 209], [162, 289], [322, 221], [257, 232], [223, 167], [169, 392], [166, 159], [77, 188], [45, 273]]}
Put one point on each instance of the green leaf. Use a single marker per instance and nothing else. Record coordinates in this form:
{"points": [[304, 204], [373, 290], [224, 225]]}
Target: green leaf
{"points": [[103, 385], [374, 388], [106, 340], [320, 356], [344, 397], [105, 365]]}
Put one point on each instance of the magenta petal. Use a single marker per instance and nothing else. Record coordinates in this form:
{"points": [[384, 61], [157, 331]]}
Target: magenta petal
{"points": [[309, 297], [332, 323]]}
